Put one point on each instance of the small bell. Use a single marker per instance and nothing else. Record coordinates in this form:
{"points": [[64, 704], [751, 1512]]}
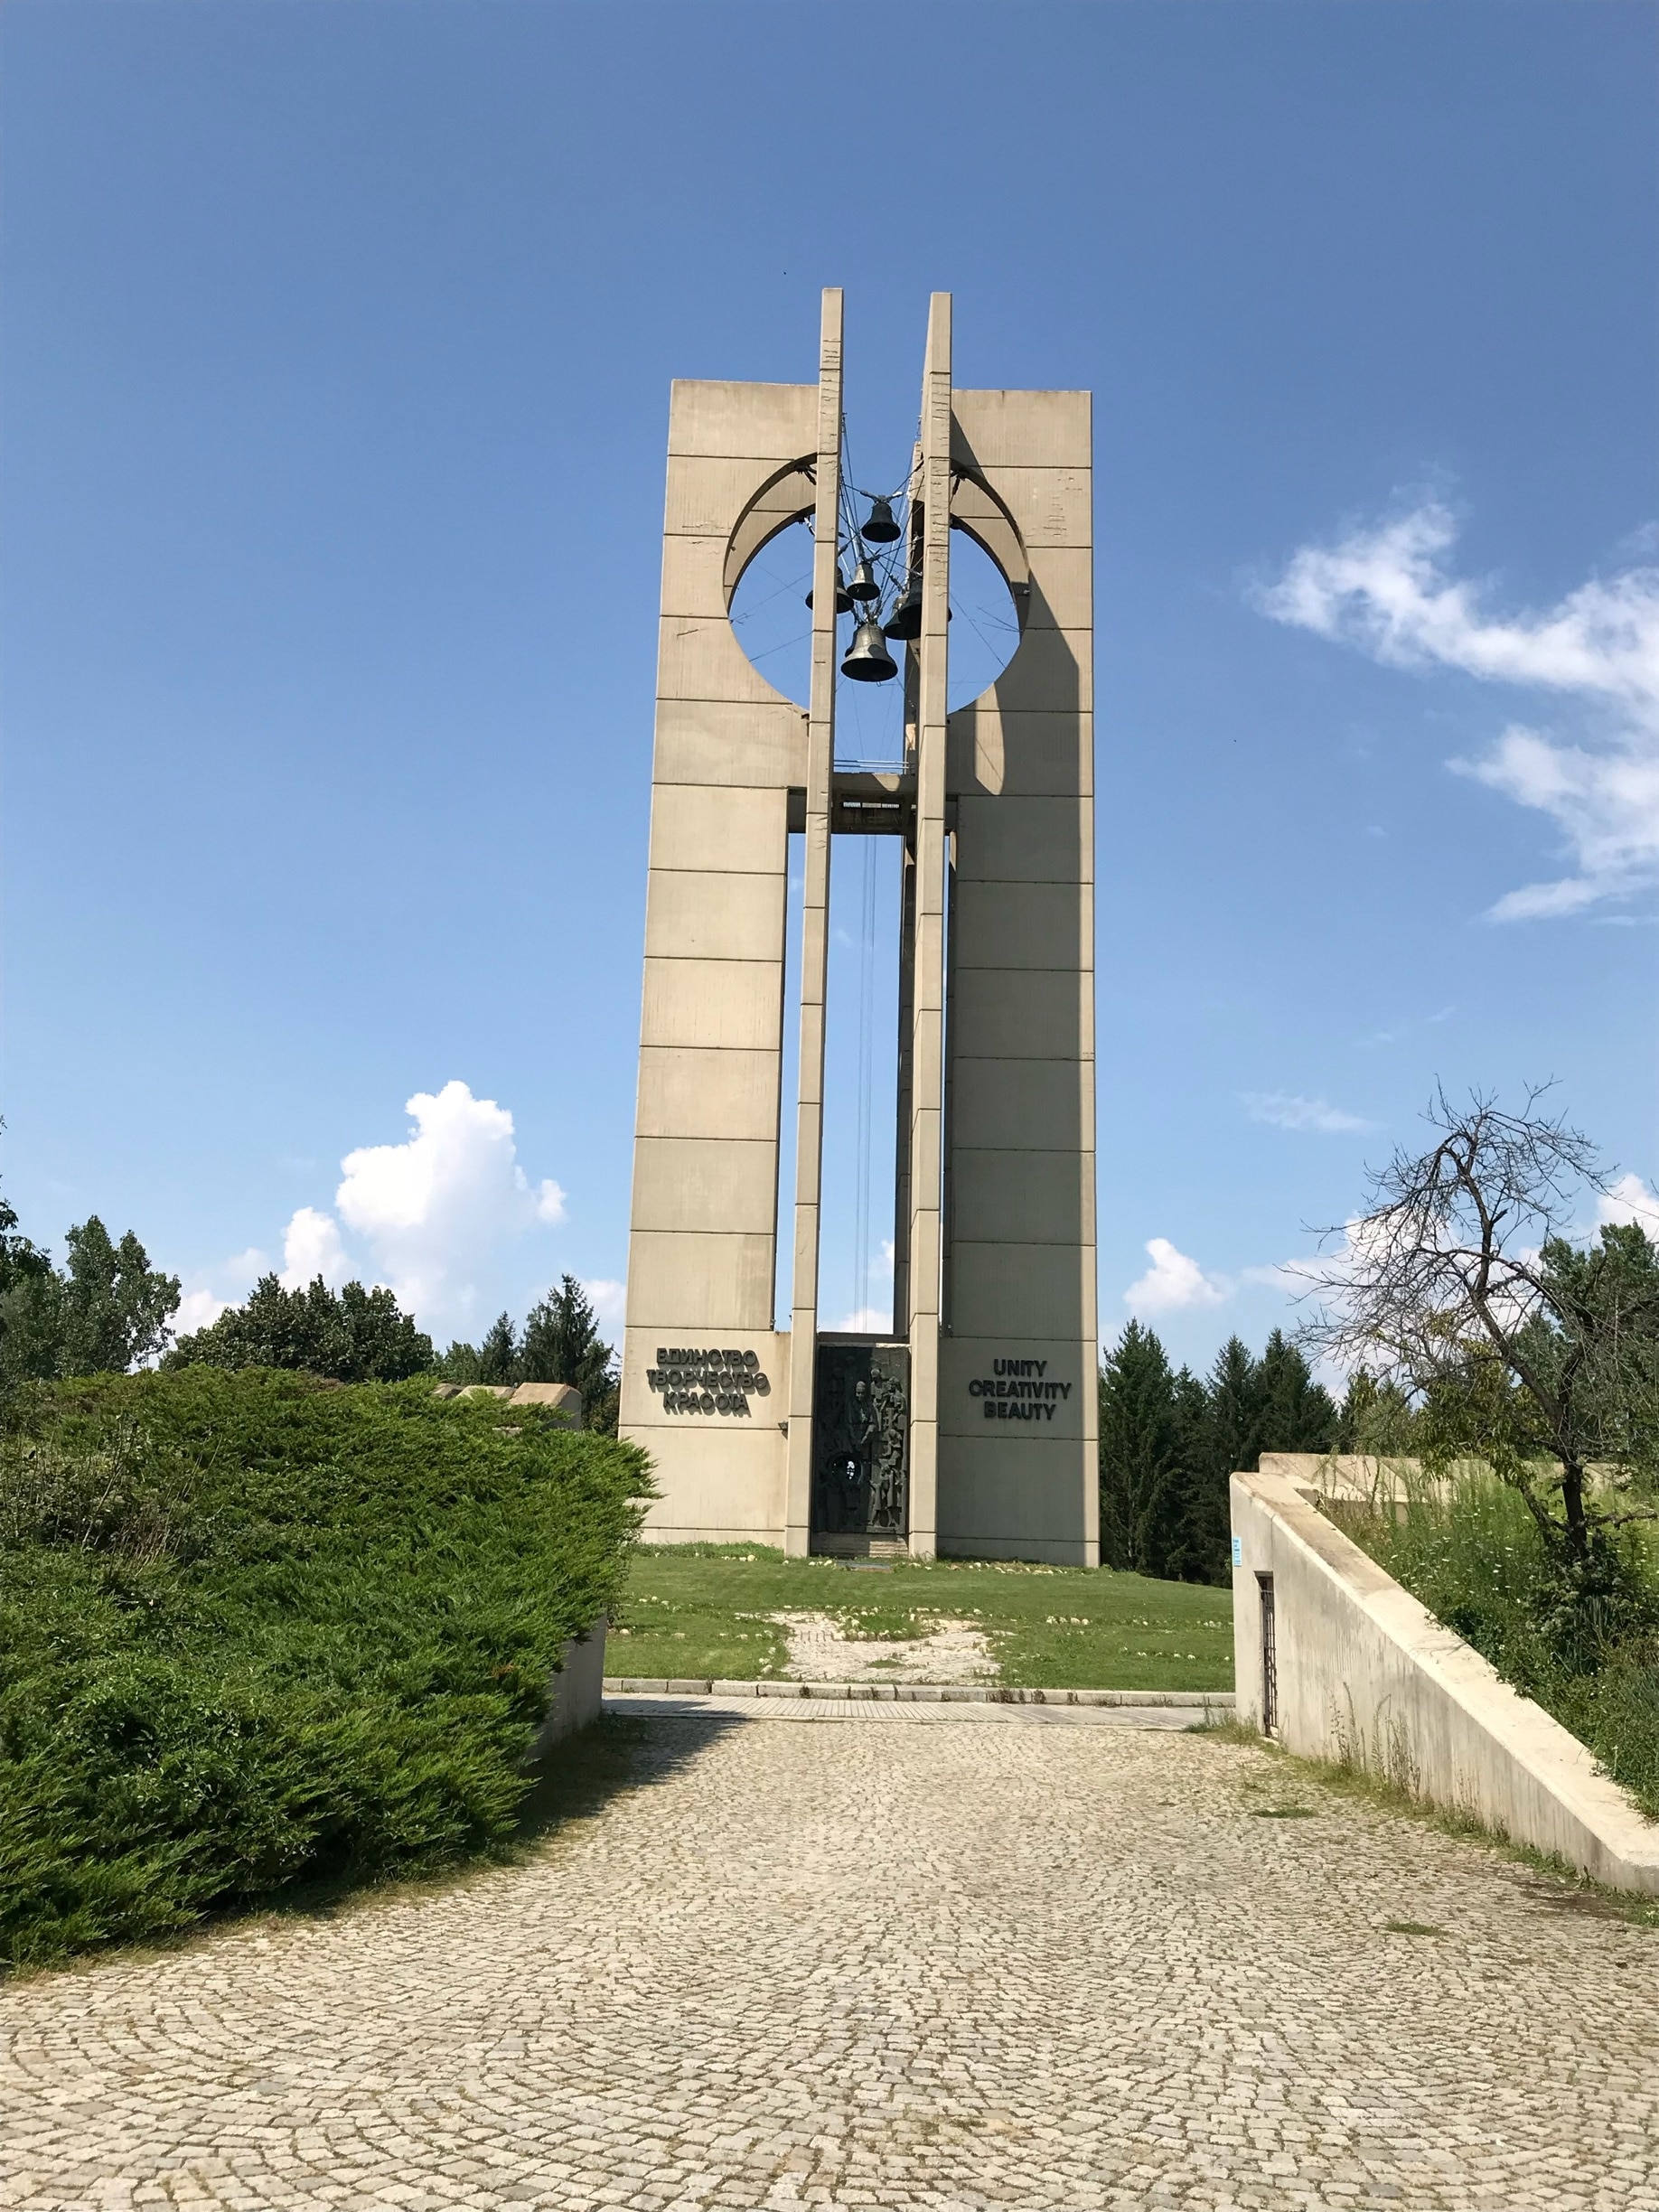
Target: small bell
{"points": [[843, 598], [864, 585], [906, 621], [881, 528], [869, 662]]}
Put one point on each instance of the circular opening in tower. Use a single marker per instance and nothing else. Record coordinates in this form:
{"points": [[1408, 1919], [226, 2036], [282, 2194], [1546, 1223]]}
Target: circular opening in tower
{"points": [[773, 624]]}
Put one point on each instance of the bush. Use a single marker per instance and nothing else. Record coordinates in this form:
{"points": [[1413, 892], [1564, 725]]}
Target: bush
{"points": [[259, 1633], [1581, 1640]]}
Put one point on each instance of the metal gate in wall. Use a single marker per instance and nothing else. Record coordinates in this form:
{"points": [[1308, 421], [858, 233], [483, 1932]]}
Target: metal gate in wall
{"points": [[860, 1445]]}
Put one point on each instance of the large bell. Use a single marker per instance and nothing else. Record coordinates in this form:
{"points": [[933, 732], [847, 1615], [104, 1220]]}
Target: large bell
{"points": [[868, 660], [864, 585], [881, 528], [843, 598], [906, 620]]}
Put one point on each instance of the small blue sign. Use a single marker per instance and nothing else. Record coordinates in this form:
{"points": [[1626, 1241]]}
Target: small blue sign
{"points": [[1237, 1550]]}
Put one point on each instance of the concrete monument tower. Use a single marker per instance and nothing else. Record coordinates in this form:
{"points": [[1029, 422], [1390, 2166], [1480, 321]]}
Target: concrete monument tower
{"points": [[972, 1429]]}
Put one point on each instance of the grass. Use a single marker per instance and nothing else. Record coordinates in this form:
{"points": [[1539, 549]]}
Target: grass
{"points": [[1586, 1649], [700, 1610]]}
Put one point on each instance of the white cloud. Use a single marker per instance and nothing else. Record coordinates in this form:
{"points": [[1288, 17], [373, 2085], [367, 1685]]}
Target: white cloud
{"points": [[433, 1209], [608, 1299], [1385, 590], [312, 1247], [213, 1288], [1174, 1282], [866, 1321], [1629, 1199], [1285, 1110]]}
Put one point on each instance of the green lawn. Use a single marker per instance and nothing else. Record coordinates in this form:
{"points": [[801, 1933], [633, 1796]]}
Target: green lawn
{"points": [[701, 1609]]}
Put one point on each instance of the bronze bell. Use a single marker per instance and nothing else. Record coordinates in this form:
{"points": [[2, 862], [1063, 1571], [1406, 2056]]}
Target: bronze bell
{"points": [[864, 585], [906, 620], [881, 528], [868, 660], [843, 598]]}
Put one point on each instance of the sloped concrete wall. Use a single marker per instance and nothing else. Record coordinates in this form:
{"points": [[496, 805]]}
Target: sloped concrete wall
{"points": [[1366, 1675]]}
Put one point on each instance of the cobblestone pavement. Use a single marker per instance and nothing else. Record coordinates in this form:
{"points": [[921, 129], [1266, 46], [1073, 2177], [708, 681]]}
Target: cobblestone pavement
{"points": [[884, 1963]]}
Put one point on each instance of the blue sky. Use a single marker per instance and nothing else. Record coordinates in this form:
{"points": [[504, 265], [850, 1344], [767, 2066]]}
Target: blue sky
{"points": [[336, 348]]}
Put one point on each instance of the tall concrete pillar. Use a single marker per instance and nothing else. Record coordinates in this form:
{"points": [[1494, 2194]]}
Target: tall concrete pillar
{"points": [[924, 1243], [814, 938]]}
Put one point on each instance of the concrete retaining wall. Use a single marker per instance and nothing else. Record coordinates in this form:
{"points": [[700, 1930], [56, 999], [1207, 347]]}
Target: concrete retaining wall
{"points": [[1365, 1675], [578, 1690]]}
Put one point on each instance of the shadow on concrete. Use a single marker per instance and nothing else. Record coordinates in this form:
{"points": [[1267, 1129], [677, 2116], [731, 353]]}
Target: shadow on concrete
{"points": [[622, 1752]]}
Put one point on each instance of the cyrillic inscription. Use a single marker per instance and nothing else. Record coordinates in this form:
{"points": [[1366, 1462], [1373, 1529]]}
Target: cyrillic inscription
{"points": [[707, 1382]]}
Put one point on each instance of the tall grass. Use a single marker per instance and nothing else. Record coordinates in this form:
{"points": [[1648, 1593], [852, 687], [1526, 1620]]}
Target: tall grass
{"points": [[1582, 1642], [258, 1633]]}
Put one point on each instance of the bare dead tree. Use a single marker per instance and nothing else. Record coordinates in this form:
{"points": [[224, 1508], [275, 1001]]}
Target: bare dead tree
{"points": [[1461, 1285]]}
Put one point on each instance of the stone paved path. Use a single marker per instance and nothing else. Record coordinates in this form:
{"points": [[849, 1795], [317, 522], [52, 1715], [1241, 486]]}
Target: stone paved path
{"points": [[841, 1956]]}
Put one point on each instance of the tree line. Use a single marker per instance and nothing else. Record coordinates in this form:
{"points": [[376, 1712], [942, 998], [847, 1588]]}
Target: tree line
{"points": [[106, 1310], [1170, 1440]]}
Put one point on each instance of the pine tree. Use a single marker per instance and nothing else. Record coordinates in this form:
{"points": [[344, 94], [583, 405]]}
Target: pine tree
{"points": [[1295, 1413], [1140, 1488], [1203, 1552], [562, 1344], [499, 1358]]}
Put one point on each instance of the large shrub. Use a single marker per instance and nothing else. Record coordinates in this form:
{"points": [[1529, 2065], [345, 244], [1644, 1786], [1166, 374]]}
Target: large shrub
{"points": [[258, 1633]]}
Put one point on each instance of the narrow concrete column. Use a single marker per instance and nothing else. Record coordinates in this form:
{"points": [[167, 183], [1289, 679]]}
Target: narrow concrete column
{"points": [[814, 940], [928, 984]]}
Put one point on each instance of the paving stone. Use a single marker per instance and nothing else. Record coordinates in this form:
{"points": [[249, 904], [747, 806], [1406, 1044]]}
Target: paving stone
{"points": [[828, 1953]]}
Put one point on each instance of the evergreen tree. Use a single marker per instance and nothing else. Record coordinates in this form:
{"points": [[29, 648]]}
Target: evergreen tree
{"points": [[1295, 1414], [1204, 1551], [1375, 1419], [353, 1335], [1140, 1500], [499, 1358], [562, 1344], [1236, 1395]]}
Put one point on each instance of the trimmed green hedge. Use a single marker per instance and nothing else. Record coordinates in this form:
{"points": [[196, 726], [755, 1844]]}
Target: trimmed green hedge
{"points": [[257, 1632]]}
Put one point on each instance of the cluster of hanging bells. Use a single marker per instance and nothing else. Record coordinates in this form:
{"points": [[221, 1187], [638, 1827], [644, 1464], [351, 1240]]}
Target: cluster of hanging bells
{"points": [[867, 659]]}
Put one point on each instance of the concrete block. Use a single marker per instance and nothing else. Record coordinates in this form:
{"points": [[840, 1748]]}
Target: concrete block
{"points": [[1052, 670], [1023, 840], [693, 576], [1062, 591], [1023, 1013], [992, 748], [724, 1478], [737, 831], [563, 1397], [687, 1090], [730, 742], [1003, 1289], [1021, 924], [715, 1003], [1050, 506], [705, 1183], [994, 430], [699, 657], [1022, 1197], [1046, 1104], [682, 1282], [714, 415], [699, 914]]}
